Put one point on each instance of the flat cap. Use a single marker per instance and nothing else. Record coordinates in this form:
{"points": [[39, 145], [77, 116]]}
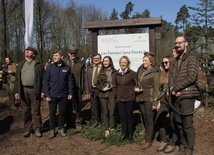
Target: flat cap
{"points": [[32, 49], [72, 49]]}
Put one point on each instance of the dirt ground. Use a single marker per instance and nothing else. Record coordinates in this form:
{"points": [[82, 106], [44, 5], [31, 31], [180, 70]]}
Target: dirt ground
{"points": [[12, 142]]}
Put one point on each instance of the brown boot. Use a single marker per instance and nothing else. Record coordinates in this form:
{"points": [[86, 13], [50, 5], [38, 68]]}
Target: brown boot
{"points": [[146, 145]]}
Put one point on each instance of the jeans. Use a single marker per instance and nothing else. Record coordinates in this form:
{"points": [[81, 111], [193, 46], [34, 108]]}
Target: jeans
{"points": [[61, 102]]}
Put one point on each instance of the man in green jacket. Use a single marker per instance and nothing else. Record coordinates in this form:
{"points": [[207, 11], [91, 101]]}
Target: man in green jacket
{"points": [[28, 88], [9, 72]]}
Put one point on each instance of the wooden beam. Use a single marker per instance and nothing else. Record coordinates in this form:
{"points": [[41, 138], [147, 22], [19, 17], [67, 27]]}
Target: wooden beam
{"points": [[125, 23]]}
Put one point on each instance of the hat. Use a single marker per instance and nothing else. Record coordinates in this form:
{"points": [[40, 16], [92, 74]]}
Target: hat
{"points": [[32, 49], [72, 49]]}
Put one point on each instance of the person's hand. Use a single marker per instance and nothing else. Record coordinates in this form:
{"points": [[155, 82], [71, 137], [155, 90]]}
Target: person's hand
{"points": [[48, 99], [154, 107], [159, 105], [88, 95], [178, 94], [42, 95], [9, 72], [173, 92], [16, 96], [106, 88], [138, 90], [70, 97]]}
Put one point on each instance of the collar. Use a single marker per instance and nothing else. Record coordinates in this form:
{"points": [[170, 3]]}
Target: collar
{"points": [[123, 72], [97, 65]]}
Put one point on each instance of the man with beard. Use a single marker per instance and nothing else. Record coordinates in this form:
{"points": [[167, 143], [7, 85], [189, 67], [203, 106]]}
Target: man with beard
{"points": [[28, 88], [184, 92]]}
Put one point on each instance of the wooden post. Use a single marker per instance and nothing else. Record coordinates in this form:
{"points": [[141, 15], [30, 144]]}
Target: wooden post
{"points": [[94, 44], [152, 41]]}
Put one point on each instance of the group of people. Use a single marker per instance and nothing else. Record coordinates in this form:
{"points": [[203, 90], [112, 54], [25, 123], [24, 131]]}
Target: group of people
{"points": [[154, 89], [63, 82]]}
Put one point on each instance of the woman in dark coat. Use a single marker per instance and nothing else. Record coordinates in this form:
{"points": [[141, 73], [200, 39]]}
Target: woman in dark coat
{"points": [[125, 84], [163, 110], [107, 94], [147, 90]]}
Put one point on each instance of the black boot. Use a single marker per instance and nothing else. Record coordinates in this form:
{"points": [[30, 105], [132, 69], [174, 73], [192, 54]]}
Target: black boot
{"points": [[123, 137], [131, 140]]}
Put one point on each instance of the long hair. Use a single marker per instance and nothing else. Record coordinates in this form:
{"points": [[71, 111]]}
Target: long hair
{"points": [[102, 70], [165, 72]]}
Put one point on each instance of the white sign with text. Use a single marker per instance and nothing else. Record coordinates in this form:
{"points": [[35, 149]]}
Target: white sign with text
{"points": [[131, 45]]}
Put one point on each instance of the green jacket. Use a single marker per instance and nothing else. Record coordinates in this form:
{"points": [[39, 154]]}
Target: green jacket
{"points": [[149, 82], [11, 77], [38, 81], [78, 73]]}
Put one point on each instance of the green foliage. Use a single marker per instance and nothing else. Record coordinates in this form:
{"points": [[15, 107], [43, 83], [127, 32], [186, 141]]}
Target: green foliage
{"points": [[114, 15], [128, 10], [182, 17], [98, 133]]}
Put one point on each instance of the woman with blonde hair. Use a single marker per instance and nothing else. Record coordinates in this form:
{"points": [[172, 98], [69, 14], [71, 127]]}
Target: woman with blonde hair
{"points": [[125, 83], [147, 90]]}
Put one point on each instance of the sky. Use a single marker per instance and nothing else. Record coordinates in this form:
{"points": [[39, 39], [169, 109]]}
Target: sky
{"points": [[168, 9]]}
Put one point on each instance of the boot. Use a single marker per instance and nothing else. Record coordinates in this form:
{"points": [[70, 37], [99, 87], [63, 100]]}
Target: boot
{"points": [[52, 133], [123, 137], [62, 132], [161, 146], [131, 140]]}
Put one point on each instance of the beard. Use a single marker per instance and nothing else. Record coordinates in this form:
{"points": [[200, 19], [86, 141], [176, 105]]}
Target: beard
{"points": [[179, 52]]}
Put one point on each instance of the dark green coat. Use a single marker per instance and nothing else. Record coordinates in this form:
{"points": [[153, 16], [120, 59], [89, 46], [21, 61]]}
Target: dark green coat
{"points": [[149, 81], [78, 73]]}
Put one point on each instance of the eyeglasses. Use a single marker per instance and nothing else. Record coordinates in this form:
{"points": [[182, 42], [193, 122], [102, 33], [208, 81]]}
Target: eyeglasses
{"points": [[165, 62], [179, 42], [73, 53]]}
